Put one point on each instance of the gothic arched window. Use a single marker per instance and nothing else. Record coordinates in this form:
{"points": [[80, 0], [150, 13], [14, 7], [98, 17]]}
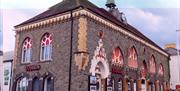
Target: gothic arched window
{"points": [[152, 65], [46, 47], [26, 50], [48, 84], [144, 69], [36, 84], [22, 84], [132, 58], [161, 70], [117, 57]]}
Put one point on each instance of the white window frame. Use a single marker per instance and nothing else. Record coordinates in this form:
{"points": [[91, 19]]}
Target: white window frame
{"points": [[46, 52], [26, 55], [46, 83], [22, 84]]}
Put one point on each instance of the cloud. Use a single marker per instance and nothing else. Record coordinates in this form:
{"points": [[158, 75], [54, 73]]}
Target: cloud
{"points": [[28, 4], [143, 18], [158, 24], [12, 17]]}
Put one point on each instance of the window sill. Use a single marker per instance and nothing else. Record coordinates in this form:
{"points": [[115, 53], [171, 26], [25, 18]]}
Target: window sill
{"points": [[43, 61], [26, 63]]}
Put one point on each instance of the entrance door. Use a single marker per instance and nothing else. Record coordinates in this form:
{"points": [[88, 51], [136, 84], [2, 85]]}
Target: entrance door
{"points": [[101, 83]]}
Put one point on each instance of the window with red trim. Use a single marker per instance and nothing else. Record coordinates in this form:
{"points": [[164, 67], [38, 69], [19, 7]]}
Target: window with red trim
{"points": [[152, 65], [117, 57], [46, 47], [132, 58], [161, 70], [144, 69], [26, 50]]}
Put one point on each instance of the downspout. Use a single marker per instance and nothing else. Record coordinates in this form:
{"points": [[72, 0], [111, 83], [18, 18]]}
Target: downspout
{"points": [[71, 54]]}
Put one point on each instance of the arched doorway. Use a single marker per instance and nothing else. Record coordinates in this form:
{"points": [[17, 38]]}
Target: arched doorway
{"points": [[99, 72], [100, 67]]}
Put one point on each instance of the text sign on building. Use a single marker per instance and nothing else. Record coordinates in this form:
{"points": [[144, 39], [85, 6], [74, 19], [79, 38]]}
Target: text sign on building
{"points": [[117, 71], [33, 67]]}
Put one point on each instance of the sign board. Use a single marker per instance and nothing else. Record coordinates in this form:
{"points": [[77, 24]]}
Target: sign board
{"points": [[33, 67]]}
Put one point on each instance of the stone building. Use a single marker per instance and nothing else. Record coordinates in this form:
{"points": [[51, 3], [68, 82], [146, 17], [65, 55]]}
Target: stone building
{"points": [[7, 70], [77, 46]]}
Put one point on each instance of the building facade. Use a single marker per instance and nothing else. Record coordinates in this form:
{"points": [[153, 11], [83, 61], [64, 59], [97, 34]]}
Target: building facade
{"points": [[77, 46], [174, 66], [1, 71], [7, 70]]}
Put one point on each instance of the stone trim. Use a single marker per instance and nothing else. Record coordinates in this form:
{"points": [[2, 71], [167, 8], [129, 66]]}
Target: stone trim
{"points": [[91, 15]]}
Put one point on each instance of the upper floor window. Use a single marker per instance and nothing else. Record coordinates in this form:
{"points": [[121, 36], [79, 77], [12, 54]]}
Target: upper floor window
{"points": [[26, 50], [117, 57], [22, 84], [152, 65], [46, 47], [132, 58], [161, 70]]}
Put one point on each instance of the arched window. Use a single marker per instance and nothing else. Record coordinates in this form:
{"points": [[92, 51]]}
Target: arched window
{"points": [[26, 50], [161, 70], [22, 84], [117, 57], [46, 47], [48, 84], [120, 87], [36, 84], [132, 62], [144, 69], [152, 65]]}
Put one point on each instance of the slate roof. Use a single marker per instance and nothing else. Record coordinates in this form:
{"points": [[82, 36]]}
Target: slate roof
{"points": [[172, 51], [68, 5]]}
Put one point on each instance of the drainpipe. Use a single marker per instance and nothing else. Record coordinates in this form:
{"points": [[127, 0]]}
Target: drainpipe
{"points": [[71, 54]]}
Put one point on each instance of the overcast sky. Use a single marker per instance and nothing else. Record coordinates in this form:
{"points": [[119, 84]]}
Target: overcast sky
{"points": [[157, 19]]}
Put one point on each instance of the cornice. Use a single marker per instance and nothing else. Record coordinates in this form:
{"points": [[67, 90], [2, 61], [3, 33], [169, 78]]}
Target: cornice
{"points": [[87, 13]]}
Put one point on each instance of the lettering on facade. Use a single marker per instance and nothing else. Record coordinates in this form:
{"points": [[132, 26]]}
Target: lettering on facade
{"points": [[117, 71], [33, 67]]}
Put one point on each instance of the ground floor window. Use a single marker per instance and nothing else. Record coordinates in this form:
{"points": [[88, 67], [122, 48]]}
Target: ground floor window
{"points": [[129, 86], [161, 87], [36, 84], [22, 84], [120, 85], [134, 86], [48, 84]]}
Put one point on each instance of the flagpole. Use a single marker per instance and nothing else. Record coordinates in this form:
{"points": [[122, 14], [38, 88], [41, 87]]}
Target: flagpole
{"points": [[178, 42]]}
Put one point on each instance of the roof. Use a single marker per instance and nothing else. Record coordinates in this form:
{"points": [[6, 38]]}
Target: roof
{"points": [[67, 5], [172, 51]]}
